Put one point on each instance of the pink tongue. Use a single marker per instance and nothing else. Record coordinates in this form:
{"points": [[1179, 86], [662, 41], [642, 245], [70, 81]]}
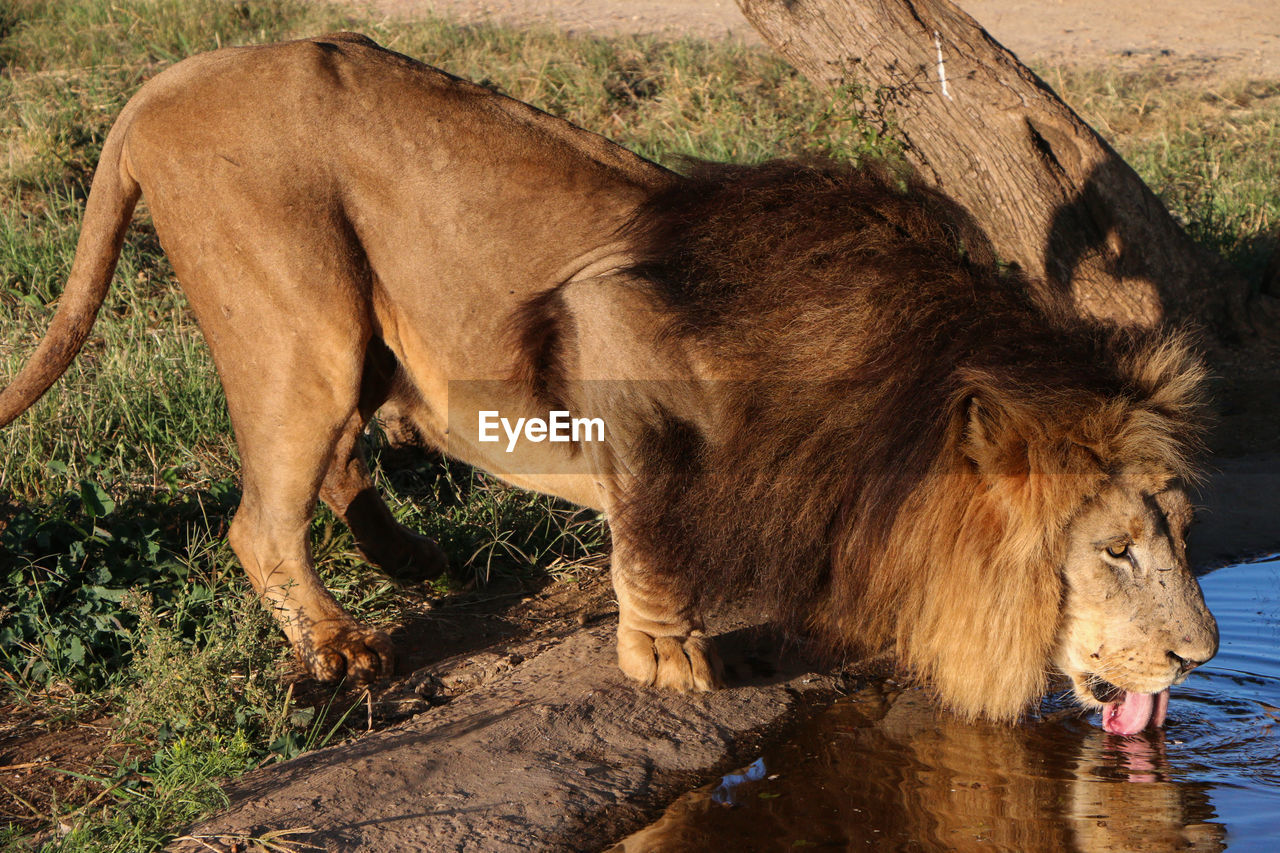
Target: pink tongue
{"points": [[1132, 715]]}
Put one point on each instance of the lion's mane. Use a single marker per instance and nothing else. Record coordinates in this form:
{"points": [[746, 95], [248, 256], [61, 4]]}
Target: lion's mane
{"points": [[901, 474]]}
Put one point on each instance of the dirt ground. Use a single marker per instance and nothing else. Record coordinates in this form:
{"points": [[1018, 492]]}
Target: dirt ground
{"points": [[1228, 38]]}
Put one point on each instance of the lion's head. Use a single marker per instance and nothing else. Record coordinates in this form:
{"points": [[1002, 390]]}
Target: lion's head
{"points": [[1134, 621], [1051, 534], [932, 462]]}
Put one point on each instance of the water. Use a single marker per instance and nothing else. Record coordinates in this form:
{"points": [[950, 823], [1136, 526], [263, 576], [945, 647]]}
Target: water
{"points": [[883, 769]]}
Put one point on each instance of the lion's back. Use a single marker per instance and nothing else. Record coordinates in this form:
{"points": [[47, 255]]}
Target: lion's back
{"points": [[344, 98]]}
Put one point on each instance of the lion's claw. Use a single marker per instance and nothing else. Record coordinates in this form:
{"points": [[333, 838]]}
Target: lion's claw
{"points": [[362, 655], [670, 663]]}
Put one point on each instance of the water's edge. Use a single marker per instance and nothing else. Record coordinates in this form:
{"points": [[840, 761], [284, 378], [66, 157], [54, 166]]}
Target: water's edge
{"points": [[885, 768]]}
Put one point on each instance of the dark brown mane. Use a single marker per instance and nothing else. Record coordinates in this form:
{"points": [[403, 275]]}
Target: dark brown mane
{"points": [[731, 239], [874, 313]]}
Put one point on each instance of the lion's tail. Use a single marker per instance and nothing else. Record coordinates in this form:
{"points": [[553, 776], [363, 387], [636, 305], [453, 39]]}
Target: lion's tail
{"points": [[106, 218]]}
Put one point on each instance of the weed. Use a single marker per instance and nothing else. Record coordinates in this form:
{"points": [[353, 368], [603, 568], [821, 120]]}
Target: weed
{"points": [[71, 562]]}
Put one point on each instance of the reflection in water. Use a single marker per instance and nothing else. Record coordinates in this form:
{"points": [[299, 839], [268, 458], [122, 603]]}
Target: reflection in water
{"points": [[890, 771], [885, 770], [1126, 798]]}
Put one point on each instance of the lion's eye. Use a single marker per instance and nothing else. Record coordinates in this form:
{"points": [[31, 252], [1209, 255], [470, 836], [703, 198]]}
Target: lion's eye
{"points": [[1120, 550]]}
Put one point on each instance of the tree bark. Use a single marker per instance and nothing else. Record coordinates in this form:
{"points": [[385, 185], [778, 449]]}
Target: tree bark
{"points": [[1052, 194]]}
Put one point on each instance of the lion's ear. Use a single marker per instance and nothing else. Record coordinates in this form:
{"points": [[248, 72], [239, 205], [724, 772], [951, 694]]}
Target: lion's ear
{"points": [[992, 440]]}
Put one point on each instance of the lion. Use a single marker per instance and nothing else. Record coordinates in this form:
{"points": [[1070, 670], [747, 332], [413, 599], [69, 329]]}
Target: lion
{"points": [[819, 386]]}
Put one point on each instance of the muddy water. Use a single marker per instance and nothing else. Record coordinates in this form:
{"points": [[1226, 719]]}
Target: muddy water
{"points": [[884, 770]]}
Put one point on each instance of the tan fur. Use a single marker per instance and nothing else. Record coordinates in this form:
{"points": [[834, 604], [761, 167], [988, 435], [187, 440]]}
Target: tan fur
{"points": [[817, 384]]}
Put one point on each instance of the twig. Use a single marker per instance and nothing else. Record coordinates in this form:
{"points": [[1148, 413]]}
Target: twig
{"points": [[20, 801], [284, 712], [277, 840], [26, 765]]}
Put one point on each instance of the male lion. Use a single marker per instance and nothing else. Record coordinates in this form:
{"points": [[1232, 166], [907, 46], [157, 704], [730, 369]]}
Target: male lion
{"points": [[816, 382]]}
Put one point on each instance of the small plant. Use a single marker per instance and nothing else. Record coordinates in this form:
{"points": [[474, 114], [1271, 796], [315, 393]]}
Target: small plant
{"points": [[70, 565]]}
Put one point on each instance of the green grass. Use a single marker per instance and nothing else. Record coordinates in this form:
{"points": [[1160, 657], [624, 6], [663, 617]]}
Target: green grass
{"points": [[117, 592], [1209, 151]]}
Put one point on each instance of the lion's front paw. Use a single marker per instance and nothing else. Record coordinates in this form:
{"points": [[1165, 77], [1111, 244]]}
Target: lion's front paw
{"points": [[362, 654], [676, 663]]}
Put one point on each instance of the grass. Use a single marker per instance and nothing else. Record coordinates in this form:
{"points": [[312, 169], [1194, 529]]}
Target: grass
{"points": [[118, 595], [1209, 151]]}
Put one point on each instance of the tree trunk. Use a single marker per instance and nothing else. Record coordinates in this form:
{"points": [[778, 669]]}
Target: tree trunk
{"points": [[980, 125]]}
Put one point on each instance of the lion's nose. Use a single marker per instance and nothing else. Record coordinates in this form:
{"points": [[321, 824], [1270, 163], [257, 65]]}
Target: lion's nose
{"points": [[1184, 665]]}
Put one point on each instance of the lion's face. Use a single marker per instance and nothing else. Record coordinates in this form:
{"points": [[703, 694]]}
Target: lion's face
{"points": [[1134, 620]]}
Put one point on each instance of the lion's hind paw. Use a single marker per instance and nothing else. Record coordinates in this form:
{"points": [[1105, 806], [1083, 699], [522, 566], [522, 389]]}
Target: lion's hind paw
{"points": [[361, 654], [670, 663]]}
